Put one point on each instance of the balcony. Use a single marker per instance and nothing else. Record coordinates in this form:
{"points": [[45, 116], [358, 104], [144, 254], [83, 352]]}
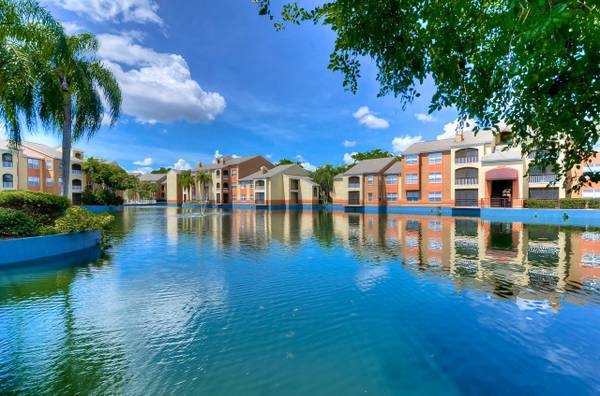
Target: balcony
{"points": [[259, 187], [353, 185], [545, 178], [225, 189], [77, 189], [76, 172], [225, 177], [466, 181], [466, 160]]}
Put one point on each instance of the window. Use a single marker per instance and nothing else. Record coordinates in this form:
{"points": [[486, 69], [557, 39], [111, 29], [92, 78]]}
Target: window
{"points": [[33, 163], [244, 198], [251, 184], [33, 181], [391, 179], [243, 184], [49, 181], [60, 181], [435, 196], [233, 186], [434, 158], [7, 181], [370, 180], [233, 198], [315, 192], [49, 165], [234, 172], [591, 168], [370, 197], [7, 160], [413, 196], [251, 197], [412, 178], [435, 178], [412, 159], [434, 225], [392, 197]]}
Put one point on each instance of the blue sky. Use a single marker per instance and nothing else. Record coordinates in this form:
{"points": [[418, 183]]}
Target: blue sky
{"points": [[208, 77]]}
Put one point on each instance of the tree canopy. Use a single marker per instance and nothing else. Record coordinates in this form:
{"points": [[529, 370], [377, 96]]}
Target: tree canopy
{"points": [[160, 171], [532, 64], [373, 154]]}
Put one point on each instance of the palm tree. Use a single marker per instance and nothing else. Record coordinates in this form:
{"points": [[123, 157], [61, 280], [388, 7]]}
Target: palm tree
{"points": [[324, 177], [186, 180], [77, 90], [203, 178], [27, 34]]}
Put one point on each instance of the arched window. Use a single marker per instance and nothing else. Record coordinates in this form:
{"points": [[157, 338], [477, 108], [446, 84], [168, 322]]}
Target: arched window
{"points": [[466, 176], [7, 181], [259, 184], [218, 185], [354, 182], [76, 168], [7, 160], [466, 156], [76, 184]]}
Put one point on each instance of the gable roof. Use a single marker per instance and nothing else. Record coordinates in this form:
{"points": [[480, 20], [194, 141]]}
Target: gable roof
{"points": [[153, 177], [275, 171], [227, 161], [429, 146], [395, 169], [376, 165]]}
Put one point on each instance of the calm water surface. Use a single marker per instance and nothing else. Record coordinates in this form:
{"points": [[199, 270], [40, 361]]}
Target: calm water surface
{"points": [[259, 303]]}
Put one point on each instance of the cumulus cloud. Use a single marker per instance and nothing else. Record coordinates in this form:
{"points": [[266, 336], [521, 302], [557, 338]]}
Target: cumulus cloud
{"points": [[305, 164], [451, 127], [142, 171], [71, 27], [217, 155], [365, 117], [348, 158], [349, 143], [157, 87], [425, 117], [141, 11], [145, 162], [401, 143], [182, 164]]}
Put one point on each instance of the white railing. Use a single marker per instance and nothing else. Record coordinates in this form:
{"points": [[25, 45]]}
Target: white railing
{"points": [[259, 188], [466, 181], [544, 178], [466, 160], [76, 172], [353, 185], [77, 188]]}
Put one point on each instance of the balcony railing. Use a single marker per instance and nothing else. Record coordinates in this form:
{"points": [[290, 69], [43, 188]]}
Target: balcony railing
{"points": [[466, 202], [543, 178], [225, 189], [76, 172], [259, 188], [466, 160], [225, 177], [353, 185], [7, 185], [466, 181], [77, 188]]}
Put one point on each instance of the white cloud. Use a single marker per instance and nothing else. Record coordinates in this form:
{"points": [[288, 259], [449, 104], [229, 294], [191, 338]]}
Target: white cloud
{"points": [[349, 143], [368, 119], [142, 171], [348, 158], [450, 129], [157, 87], [401, 143], [269, 156], [182, 164], [71, 27], [425, 117], [145, 162], [217, 155], [308, 166], [140, 11]]}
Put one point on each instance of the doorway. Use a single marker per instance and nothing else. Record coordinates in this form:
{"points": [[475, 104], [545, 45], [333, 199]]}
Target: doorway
{"points": [[502, 193]]}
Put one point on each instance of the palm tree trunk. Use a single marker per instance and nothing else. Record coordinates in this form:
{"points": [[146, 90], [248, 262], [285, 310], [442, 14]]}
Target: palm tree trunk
{"points": [[66, 144]]}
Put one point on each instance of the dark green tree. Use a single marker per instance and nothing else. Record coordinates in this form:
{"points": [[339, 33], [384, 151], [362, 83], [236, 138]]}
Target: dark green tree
{"points": [[373, 154], [532, 64]]}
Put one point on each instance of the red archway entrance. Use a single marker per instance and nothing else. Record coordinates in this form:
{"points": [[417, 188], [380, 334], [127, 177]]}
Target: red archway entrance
{"points": [[502, 186]]}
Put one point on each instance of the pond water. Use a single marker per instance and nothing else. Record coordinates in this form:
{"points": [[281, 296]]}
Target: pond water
{"points": [[250, 302]]}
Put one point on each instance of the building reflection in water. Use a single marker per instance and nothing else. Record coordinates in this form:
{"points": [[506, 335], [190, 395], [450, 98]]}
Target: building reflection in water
{"points": [[529, 264]]}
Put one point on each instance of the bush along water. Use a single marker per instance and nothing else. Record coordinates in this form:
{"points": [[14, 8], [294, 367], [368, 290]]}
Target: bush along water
{"points": [[27, 213]]}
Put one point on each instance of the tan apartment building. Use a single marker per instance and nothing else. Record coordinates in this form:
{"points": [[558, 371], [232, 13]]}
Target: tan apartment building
{"points": [[284, 186], [223, 188], [37, 167], [367, 185], [160, 180]]}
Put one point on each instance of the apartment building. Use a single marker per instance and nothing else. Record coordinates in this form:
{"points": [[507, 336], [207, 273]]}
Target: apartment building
{"points": [[474, 170], [284, 186], [223, 188], [160, 180], [37, 167], [591, 190], [370, 184]]}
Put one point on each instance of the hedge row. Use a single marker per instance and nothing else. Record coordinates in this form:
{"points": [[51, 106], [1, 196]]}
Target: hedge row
{"points": [[564, 203], [42, 207], [104, 197], [15, 224]]}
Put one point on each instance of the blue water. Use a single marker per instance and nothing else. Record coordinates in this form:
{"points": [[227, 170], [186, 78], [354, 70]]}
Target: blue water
{"points": [[274, 303]]}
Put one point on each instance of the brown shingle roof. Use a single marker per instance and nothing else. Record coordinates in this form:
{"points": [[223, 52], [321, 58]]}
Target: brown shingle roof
{"points": [[377, 165]]}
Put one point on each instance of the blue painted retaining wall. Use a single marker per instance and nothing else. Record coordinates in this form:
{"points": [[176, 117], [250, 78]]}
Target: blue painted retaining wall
{"points": [[19, 251], [578, 217]]}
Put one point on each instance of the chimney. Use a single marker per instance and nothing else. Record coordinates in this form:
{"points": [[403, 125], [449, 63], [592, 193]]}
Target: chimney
{"points": [[198, 165], [459, 137], [263, 169]]}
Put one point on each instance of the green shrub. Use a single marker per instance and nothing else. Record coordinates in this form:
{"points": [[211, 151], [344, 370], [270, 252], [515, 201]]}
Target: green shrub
{"points": [[78, 220], [572, 203], [540, 203], [103, 197], [16, 224], [593, 203], [42, 207]]}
